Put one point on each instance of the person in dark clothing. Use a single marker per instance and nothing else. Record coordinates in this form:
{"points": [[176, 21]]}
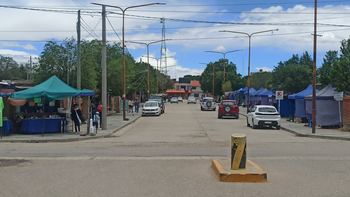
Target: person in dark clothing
{"points": [[77, 117]]}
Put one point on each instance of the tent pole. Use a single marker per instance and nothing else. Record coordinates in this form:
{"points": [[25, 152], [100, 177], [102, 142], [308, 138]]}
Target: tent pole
{"points": [[43, 102]]}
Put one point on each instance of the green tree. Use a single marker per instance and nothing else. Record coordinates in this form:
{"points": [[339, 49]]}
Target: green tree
{"points": [[258, 80], [231, 76], [324, 73], [340, 71], [193, 77], [10, 69], [292, 75]]}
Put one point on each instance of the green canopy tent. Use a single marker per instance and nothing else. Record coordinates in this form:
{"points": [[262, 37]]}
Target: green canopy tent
{"points": [[53, 88]]}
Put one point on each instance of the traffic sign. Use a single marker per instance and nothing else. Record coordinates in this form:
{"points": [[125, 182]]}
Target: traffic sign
{"points": [[338, 96], [279, 95]]}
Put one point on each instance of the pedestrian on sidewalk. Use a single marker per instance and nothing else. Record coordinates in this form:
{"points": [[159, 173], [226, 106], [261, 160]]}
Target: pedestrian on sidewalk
{"points": [[137, 105], [96, 117], [131, 106], [99, 109], [77, 117]]}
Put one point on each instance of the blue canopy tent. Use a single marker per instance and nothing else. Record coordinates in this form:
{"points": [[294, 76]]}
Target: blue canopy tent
{"points": [[300, 101], [240, 95], [245, 94], [267, 98], [253, 98], [327, 109]]}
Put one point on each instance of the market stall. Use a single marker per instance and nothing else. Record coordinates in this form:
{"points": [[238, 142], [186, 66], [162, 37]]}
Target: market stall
{"points": [[42, 114]]}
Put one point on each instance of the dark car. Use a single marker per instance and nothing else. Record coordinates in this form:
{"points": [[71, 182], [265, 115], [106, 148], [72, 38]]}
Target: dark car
{"points": [[161, 101], [228, 108]]}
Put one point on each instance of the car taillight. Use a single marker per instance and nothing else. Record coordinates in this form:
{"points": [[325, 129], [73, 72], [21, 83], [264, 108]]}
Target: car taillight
{"points": [[257, 113], [202, 103], [214, 103]]}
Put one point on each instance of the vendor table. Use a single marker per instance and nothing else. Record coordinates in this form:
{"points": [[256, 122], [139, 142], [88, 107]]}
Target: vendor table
{"points": [[6, 127], [36, 125]]}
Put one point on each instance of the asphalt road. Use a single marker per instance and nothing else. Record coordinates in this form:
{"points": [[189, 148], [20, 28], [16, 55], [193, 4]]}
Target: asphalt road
{"points": [[171, 155]]}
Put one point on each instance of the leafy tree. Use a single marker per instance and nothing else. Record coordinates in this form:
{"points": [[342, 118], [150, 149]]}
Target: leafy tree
{"points": [[231, 76], [10, 69], [292, 75], [340, 71], [193, 77], [324, 73], [258, 80]]}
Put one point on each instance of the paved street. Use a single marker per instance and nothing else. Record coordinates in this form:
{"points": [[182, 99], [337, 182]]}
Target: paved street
{"points": [[171, 155]]}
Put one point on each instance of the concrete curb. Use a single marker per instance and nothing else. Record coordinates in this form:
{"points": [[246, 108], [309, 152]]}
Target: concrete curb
{"points": [[83, 138], [297, 134]]}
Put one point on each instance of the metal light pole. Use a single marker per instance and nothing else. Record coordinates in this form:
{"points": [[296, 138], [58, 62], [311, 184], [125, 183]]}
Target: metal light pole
{"points": [[224, 61], [147, 44], [157, 68], [124, 82], [249, 35], [314, 74], [213, 74]]}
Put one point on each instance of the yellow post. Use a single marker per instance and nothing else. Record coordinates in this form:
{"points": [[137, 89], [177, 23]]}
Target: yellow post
{"points": [[238, 151]]}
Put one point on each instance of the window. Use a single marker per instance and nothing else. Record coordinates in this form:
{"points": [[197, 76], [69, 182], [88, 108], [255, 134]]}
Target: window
{"points": [[228, 103], [267, 109]]}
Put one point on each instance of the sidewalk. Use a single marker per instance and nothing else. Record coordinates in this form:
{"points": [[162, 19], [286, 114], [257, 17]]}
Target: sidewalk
{"points": [[114, 123], [304, 131]]}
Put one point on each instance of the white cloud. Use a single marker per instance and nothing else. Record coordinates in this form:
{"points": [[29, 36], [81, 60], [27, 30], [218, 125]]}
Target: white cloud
{"points": [[14, 44], [174, 70], [220, 48], [18, 56], [264, 69]]}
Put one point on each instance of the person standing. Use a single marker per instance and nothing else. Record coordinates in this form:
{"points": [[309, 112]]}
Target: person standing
{"points": [[131, 106], [96, 117], [99, 109], [137, 105], [77, 117]]}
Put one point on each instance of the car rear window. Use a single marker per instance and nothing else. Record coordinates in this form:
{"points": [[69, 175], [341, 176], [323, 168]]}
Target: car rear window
{"points": [[266, 109], [228, 103], [210, 100]]}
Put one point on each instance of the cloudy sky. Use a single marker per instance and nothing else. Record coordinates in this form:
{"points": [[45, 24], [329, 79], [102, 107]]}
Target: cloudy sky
{"points": [[193, 27]]}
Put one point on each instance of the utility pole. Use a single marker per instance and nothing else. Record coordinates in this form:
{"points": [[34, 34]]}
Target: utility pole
{"points": [[314, 75], [31, 68], [79, 56], [104, 70]]}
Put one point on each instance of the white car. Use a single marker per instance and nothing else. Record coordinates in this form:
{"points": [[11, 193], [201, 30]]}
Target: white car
{"points": [[151, 108], [208, 103], [191, 99], [263, 115], [179, 99]]}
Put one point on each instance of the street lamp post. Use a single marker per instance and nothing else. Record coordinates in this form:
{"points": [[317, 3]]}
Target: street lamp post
{"points": [[249, 35], [124, 82], [213, 74], [224, 61], [157, 68], [147, 44]]}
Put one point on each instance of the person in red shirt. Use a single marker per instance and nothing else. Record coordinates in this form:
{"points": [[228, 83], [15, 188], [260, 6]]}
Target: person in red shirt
{"points": [[99, 109]]}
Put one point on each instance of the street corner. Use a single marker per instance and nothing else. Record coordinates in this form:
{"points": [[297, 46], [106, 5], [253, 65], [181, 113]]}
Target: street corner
{"points": [[252, 174]]}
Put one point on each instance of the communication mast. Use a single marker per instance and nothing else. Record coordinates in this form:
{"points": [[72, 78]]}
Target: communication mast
{"points": [[163, 50]]}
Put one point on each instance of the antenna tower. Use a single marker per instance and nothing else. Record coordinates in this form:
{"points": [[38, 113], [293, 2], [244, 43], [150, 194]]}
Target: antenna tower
{"points": [[163, 61]]}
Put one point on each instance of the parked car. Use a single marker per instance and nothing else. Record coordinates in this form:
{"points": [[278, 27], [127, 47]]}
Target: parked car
{"points": [[159, 100], [179, 99], [263, 115], [208, 103], [191, 99], [174, 100], [228, 108], [151, 108]]}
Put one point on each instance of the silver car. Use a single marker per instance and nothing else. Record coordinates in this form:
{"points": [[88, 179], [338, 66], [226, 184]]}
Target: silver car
{"points": [[191, 99], [151, 108], [208, 103]]}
